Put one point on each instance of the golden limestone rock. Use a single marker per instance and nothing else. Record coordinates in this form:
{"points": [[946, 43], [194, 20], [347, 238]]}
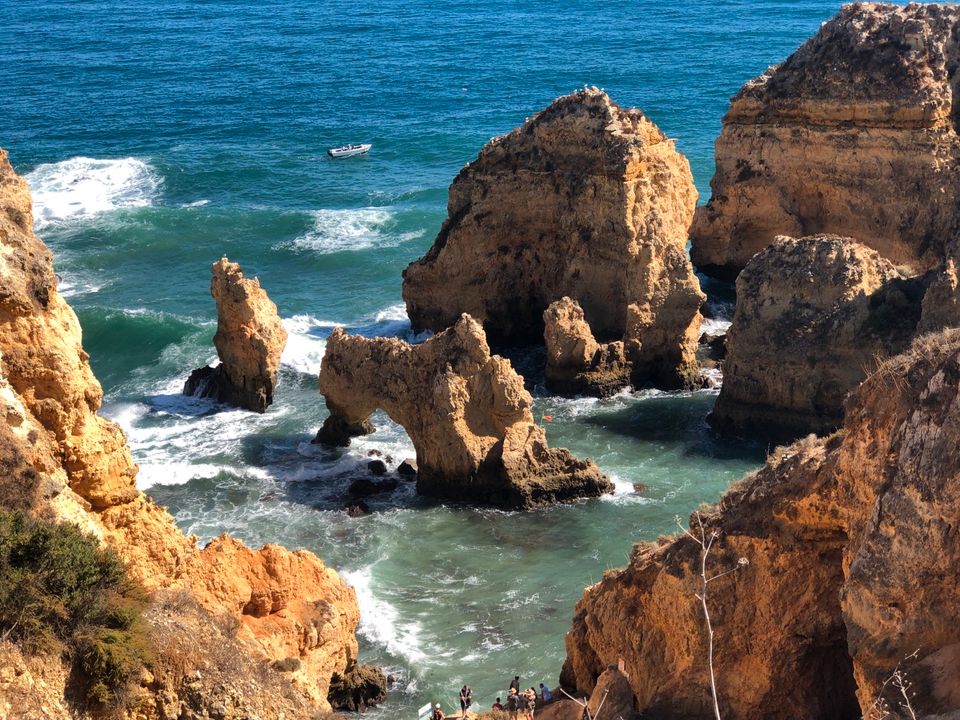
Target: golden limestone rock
{"points": [[854, 134], [250, 340], [61, 461], [576, 363], [814, 316], [467, 413], [586, 200], [852, 564]]}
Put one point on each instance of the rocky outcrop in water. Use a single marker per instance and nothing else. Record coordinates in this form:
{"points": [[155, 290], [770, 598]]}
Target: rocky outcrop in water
{"points": [[61, 461], [814, 316], [466, 412], [586, 200], [852, 565], [250, 339], [576, 363], [854, 134]]}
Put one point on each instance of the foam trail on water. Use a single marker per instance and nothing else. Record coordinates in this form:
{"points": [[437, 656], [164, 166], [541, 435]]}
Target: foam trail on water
{"points": [[380, 621], [336, 231], [82, 187], [306, 342], [193, 438]]}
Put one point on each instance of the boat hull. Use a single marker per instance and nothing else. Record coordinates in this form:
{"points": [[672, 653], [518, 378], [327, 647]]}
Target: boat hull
{"points": [[349, 151]]}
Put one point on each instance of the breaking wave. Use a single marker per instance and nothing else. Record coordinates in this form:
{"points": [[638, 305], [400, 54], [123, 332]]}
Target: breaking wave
{"points": [[83, 187]]}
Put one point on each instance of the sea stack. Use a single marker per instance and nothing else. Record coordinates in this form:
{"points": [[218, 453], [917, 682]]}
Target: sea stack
{"points": [[843, 563], [576, 363], [466, 412], [814, 317], [854, 134], [250, 339], [586, 200]]}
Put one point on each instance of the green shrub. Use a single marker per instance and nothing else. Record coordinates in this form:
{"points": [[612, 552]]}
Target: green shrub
{"points": [[60, 591]]}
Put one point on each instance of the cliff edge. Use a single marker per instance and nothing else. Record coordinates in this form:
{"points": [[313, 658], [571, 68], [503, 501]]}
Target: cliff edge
{"points": [[851, 566], [63, 462], [844, 137]]}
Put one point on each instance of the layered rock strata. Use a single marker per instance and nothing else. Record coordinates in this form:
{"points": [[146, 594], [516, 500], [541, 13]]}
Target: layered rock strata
{"points": [[61, 461], [586, 200], [814, 316], [576, 363], [854, 134], [466, 412], [852, 566], [250, 339]]}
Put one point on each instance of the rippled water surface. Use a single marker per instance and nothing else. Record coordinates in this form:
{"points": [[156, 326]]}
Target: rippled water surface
{"points": [[158, 136]]}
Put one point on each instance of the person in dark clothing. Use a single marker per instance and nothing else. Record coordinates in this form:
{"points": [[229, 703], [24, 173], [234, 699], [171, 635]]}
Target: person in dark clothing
{"points": [[438, 713], [515, 683], [466, 697]]}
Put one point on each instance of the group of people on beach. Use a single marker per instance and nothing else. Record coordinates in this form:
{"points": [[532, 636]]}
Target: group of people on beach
{"points": [[520, 704], [523, 703]]}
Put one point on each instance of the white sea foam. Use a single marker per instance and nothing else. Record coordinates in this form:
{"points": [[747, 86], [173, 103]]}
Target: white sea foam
{"points": [[82, 187], [380, 621], [336, 231], [305, 343], [713, 326], [196, 204], [69, 286], [181, 447], [306, 335]]}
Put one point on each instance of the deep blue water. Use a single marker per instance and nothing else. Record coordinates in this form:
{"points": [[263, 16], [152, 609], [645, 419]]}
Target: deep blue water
{"points": [[158, 136]]}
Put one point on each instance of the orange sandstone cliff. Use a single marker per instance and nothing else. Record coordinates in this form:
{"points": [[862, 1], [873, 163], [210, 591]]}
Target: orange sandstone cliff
{"points": [[854, 564], [62, 461], [854, 134], [586, 200]]}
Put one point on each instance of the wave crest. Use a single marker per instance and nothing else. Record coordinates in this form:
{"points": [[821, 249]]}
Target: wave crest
{"points": [[350, 230], [83, 187]]}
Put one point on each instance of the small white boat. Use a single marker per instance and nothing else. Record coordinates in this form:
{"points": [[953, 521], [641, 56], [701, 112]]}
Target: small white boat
{"points": [[349, 150]]}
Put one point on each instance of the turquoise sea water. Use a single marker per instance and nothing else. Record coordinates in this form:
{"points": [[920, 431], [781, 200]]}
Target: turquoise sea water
{"points": [[158, 136]]}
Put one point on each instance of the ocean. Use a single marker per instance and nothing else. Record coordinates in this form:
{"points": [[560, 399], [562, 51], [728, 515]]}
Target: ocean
{"points": [[158, 136]]}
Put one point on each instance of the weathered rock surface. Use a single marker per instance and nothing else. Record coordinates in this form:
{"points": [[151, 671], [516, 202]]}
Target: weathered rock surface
{"points": [[62, 461], [854, 134], [586, 200], [359, 687], [941, 303], [814, 316], [853, 565], [466, 412], [576, 363], [249, 339]]}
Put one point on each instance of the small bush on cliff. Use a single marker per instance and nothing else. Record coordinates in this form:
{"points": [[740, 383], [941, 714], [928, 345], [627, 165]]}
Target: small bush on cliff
{"points": [[60, 591]]}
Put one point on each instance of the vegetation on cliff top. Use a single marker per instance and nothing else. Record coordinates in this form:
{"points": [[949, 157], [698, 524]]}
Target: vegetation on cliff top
{"points": [[60, 591]]}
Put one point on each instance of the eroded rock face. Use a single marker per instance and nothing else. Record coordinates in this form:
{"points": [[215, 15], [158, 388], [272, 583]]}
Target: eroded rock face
{"points": [[466, 412], [586, 200], [61, 461], [814, 316], [852, 567], [941, 303], [854, 134], [250, 339], [576, 363]]}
